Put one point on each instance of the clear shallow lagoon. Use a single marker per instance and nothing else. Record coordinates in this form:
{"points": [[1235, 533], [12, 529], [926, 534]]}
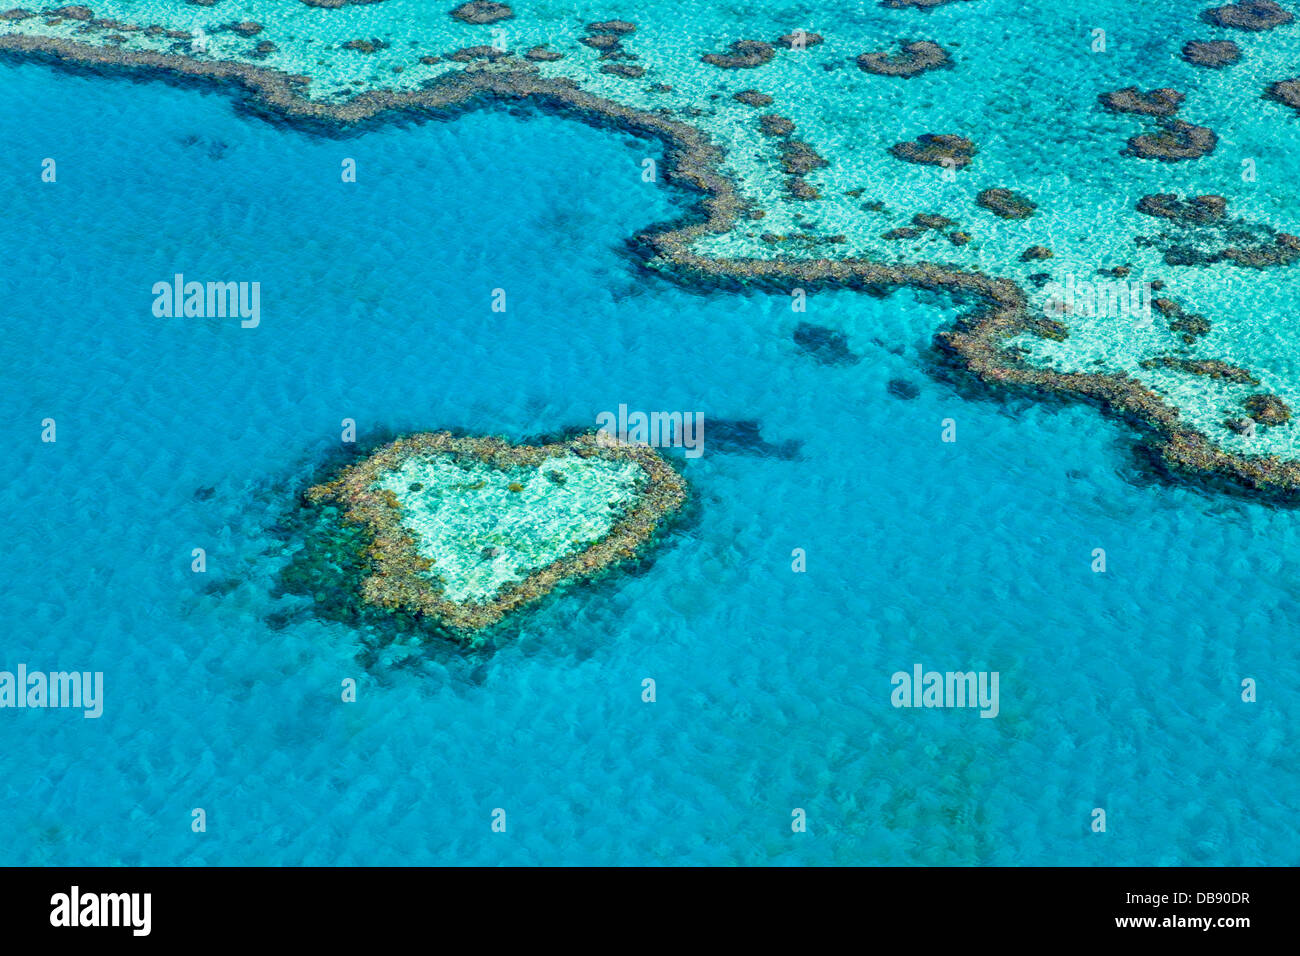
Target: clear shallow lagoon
{"points": [[1117, 690]]}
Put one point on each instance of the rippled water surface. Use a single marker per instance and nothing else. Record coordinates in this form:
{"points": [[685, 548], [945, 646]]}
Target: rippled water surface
{"points": [[1118, 690]]}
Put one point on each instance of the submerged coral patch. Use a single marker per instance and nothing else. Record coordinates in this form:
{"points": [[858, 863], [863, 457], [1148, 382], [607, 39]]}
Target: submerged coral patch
{"points": [[1006, 203], [1211, 53], [1195, 209], [1286, 92], [1199, 233], [1253, 15], [922, 4], [1161, 102], [741, 55], [481, 11], [1175, 140], [465, 530], [912, 60], [936, 149]]}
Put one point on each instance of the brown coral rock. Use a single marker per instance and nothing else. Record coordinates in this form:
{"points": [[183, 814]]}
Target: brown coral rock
{"points": [[482, 11], [626, 70], [1267, 409], [936, 149], [793, 41], [540, 54], [928, 220], [1211, 53], [1006, 203], [921, 4], [470, 53], [1210, 368], [798, 158], [1161, 102], [1286, 92], [1197, 210], [774, 125], [1176, 141], [602, 41], [912, 60], [1253, 15], [741, 55]]}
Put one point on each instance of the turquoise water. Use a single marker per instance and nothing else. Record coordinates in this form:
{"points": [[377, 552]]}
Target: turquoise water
{"points": [[1118, 690]]}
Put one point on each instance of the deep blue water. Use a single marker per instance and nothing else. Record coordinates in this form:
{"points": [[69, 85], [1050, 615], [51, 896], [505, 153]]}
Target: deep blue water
{"points": [[1118, 690]]}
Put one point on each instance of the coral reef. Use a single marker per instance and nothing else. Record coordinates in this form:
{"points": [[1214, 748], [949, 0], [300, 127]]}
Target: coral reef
{"points": [[1286, 92], [628, 71], [1210, 368], [1161, 102], [1254, 15], [541, 54], [482, 11], [936, 149], [928, 220], [1211, 53], [741, 55], [900, 388], [798, 158], [1267, 409], [911, 60], [1199, 233], [800, 40], [1195, 209], [922, 4], [774, 125], [403, 577], [978, 344], [1005, 203], [1175, 141]]}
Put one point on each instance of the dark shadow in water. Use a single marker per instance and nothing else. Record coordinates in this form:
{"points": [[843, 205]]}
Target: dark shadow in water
{"points": [[746, 438], [825, 346], [214, 148], [901, 388]]}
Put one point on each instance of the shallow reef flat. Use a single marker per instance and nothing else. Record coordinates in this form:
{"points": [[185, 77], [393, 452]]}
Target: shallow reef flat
{"points": [[982, 147], [464, 530]]}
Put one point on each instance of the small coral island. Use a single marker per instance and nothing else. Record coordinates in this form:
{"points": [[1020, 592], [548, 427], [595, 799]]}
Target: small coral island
{"points": [[463, 530]]}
